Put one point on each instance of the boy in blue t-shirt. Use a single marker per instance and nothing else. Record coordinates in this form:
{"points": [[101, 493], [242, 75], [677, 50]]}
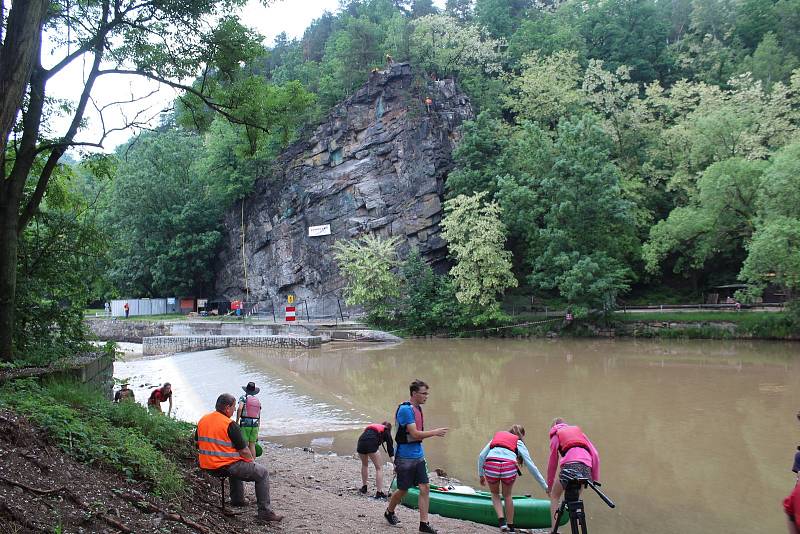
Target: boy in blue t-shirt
{"points": [[409, 459]]}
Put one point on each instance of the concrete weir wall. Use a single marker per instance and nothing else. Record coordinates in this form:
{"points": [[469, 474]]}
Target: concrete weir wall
{"points": [[171, 344]]}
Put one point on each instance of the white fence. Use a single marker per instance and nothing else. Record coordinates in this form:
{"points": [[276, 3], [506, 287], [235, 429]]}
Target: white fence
{"points": [[144, 306]]}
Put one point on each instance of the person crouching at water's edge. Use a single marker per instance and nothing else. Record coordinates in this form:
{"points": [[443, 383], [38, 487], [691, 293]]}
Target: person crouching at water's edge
{"points": [[498, 463], [577, 454], [248, 415], [409, 462], [222, 449], [367, 448], [159, 395]]}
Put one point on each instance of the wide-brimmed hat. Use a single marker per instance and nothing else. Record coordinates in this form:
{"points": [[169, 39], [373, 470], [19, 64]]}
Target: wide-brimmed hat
{"points": [[251, 388]]}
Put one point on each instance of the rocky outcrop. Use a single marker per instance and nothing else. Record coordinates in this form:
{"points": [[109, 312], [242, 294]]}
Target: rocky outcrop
{"points": [[377, 165]]}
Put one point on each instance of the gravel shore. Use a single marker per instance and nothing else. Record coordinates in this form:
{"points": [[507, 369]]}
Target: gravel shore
{"points": [[319, 493]]}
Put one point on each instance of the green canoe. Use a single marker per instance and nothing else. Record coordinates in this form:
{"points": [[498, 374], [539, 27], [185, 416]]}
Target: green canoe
{"points": [[477, 507]]}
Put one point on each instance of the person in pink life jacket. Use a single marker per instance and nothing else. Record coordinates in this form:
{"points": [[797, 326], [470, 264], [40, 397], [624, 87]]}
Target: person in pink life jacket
{"points": [[577, 454], [369, 442], [248, 415], [498, 463]]}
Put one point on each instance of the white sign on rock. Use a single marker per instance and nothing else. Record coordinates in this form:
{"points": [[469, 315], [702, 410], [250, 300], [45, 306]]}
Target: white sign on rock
{"points": [[316, 231]]}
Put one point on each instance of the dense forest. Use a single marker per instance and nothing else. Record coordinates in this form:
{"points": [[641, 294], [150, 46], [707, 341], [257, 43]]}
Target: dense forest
{"points": [[629, 149]]}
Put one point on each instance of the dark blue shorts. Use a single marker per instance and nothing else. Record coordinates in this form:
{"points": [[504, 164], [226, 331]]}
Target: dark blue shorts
{"points": [[411, 472]]}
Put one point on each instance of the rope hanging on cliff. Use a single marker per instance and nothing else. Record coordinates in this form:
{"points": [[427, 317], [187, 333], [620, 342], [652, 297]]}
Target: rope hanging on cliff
{"points": [[244, 260]]}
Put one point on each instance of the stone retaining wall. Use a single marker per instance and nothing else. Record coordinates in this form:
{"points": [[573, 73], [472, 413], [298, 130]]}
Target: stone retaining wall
{"points": [[96, 369], [639, 327], [171, 344], [136, 331], [129, 331]]}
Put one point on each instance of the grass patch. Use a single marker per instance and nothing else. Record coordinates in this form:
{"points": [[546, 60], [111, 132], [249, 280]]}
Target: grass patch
{"points": [[93, 430]]}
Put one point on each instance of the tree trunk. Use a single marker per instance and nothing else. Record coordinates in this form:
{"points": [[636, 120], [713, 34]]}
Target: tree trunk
{"points": [[18, 54], [8, 273]]}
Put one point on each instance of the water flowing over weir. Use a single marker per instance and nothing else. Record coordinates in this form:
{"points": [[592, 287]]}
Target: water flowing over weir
{"points": [[694, 436]]}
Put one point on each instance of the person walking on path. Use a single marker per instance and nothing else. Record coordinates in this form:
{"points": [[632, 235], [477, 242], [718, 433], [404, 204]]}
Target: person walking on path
{"points": [[248, 415], [367, 447], [221, 448], [498, 464], [159, 395], [578, 455], [409, 461]]}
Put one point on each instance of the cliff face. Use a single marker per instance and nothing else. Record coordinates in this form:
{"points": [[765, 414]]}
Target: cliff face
{"points": [[377, 165]]}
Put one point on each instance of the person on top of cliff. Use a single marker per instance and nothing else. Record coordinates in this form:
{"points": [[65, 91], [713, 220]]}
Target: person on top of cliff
{"points": [[389, 61], [159, 395], [221, 449]]}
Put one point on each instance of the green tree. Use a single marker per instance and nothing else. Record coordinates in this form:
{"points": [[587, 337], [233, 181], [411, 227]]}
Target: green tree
{"points": [[166, 41], [628, 32], [475, 236], [443, 45], [774, 251], [547, 89], [586, 240], [713, 229], [164, 215], [61, 265], [366, 265], [479, 156], [770, 63], [501, 17]]}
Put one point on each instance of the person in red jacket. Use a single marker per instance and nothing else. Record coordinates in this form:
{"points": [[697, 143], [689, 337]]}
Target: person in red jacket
{"points": [[791, 505]]}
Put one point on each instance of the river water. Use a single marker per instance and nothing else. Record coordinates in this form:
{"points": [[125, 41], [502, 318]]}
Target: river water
{"points": [[694, 436]]}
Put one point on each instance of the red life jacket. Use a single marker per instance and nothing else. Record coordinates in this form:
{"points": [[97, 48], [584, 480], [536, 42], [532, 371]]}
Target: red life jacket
{"points": [[251, 408], [569, 437], [376, 427], [419, 421], [506, 440]]}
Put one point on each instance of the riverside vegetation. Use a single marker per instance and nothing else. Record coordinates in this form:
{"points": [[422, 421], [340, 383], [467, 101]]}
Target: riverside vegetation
{"points": [[619, 148]]}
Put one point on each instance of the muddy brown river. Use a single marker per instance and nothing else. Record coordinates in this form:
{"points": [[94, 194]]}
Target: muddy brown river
{"points": [[694, 436]]}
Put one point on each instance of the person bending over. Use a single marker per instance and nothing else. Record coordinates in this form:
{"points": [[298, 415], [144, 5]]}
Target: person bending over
{"points": [[578, 455], [369, 442], [498, 467]]}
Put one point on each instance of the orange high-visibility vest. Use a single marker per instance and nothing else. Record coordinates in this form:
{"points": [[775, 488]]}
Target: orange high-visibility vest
{"points": [[215, 449]]}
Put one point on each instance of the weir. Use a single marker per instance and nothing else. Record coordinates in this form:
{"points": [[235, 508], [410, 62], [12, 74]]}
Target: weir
{"points": [[171, 344]]}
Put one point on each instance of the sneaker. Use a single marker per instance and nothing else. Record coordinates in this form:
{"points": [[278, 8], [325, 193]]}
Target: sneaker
{"points": [[269, 515], [381, 495], [426, 527], [363, 489], [391, 517], [503, 528]]}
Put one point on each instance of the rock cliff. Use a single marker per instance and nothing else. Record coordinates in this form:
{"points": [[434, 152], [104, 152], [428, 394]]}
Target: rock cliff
{"points": [[377, 165]]}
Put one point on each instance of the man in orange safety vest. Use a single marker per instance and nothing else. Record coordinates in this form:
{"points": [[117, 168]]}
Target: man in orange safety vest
{"points": [[221, 448]]}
